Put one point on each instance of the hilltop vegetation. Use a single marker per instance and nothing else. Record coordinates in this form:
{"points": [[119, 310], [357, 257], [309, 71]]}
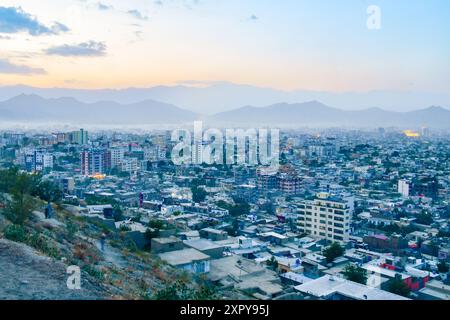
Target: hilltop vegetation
{"points": [[51, 245]]}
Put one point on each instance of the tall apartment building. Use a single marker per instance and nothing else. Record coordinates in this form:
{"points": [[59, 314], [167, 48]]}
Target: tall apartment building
{"points": [[288, 183], [404, 188], [266, 179], [117, 155], [94, 161], [79, 137], [38, 160], [326, 217]]}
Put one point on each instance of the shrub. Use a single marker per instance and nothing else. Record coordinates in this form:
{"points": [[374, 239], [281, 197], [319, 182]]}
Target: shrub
{"points": [[94, 272], [18, 233], [84, 253], [15, 233], [40, 243]]}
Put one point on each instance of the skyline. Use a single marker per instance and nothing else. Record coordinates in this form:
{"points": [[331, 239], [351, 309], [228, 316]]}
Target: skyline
{"points": [[259, 43]]}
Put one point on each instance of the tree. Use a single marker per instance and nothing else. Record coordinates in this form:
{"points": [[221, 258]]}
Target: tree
{"points": [[424, 218], [46, 190], [233, 230], [179, 290], [333, 251], [19, 209], [443, 267], [397, 286], [198, 194], [355, 274], [242, 208], [272, 263]]}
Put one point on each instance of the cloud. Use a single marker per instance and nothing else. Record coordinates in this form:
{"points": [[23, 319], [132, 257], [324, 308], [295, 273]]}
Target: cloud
{"points": [[13, 20], [137, 14], [59, 28], [104, 7], [85, 49], [188, 4], [7, 67]]}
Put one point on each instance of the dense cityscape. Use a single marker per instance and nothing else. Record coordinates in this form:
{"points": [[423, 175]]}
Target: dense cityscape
{"points": [[224, 159], [348, 215]]}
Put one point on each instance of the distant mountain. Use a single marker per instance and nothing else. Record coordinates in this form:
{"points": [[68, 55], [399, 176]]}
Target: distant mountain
{"points": [[316, 114], [223, 96], [34, 108]]}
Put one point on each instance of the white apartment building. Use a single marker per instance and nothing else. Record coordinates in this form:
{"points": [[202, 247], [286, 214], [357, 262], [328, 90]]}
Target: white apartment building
{"points": [[326, 217], [130, 164], [117, 155], [404, 187]]}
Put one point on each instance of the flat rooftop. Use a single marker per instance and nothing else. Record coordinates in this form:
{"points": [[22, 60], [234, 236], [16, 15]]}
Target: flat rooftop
{"points": [[182, 257], [328, 285], [201, 244], [166, 240]]}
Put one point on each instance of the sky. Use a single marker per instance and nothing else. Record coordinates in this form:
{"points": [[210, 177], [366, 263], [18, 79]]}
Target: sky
{"points": [[322, 45]]}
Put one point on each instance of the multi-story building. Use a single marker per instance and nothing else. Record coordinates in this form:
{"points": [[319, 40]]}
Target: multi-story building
{"points": [[79, 137], [404, 188], [117, 155], [67, 184], [427, 187], [266, 180], [129, 164], [322, 150], [288, 184], [38, 160], [326, 217], [93, 161]]}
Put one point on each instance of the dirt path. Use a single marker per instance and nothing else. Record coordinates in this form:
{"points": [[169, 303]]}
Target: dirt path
{"points": [[111, 255]]}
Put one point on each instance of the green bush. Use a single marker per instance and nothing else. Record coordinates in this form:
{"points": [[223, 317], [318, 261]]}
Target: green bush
{"points": [[18, 233], [15, 233], [94, 272], [39, 242]]}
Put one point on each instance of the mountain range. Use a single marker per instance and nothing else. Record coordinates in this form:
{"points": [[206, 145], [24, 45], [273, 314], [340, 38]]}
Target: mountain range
{"points": [[35, 109], [212, 98], [317, 114]]}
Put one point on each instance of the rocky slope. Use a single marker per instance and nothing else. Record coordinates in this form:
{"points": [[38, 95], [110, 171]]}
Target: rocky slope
{"points": [[27, 275]]}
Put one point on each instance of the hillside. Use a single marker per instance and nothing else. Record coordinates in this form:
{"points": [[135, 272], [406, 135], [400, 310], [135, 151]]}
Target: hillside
{"points": [[35, 251]]}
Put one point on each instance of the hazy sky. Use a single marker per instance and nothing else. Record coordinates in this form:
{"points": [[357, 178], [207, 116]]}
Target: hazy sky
{"points": [[284, 44]]}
